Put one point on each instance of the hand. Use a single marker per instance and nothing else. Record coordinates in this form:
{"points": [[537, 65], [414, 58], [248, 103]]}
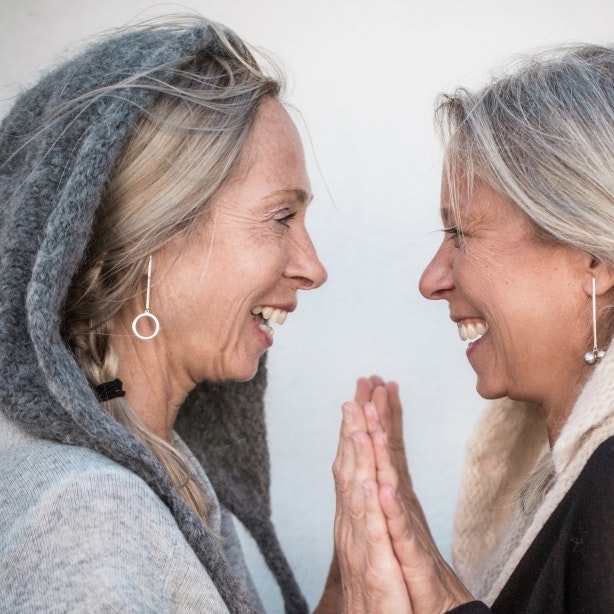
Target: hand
{"points": [[371, 577], [389, 418], [432, 585]]}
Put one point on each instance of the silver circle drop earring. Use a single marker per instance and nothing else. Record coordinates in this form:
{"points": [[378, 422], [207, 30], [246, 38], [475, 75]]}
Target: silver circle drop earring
{"points": [[596, 354], [146, 314]]}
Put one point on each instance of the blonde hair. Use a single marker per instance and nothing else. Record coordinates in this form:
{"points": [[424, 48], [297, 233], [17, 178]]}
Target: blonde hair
{"points": [[184, 148], [543, 137]]}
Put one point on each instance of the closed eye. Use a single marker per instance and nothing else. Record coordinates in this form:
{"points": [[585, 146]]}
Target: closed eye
{"points": [[286, 218], [454, 234]]}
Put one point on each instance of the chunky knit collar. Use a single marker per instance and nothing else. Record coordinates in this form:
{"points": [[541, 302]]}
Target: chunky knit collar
{"points": [[506, 456]]}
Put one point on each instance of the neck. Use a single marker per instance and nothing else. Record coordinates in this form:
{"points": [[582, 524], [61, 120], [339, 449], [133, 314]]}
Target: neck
{"points": [[154, 390], [557, 406]]}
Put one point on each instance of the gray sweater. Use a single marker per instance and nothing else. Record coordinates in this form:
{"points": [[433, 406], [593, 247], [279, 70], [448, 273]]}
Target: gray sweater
{"points": [[80, 533]]}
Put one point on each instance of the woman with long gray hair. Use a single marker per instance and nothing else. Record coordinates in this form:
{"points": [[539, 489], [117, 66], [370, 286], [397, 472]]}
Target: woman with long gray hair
{"points": [[153, 195], [527, 267]]}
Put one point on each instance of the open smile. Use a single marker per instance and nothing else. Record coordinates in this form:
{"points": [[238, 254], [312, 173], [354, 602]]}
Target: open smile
{"points": [[472, 330], [265, 314]]}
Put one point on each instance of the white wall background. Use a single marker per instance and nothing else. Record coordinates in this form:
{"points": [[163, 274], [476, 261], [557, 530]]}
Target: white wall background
{"points": [[363, 75]]}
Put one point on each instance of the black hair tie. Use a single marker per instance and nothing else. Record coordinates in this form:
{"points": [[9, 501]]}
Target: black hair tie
{"points": [[110, 390]]}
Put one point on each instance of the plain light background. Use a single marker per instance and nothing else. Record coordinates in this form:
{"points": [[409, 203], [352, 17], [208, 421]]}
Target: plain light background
{"points": [[363, 75]]}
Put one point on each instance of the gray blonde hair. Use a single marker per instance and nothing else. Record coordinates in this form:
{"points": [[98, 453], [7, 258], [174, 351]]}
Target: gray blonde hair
{"points": [[543, 137], [183, 150]]}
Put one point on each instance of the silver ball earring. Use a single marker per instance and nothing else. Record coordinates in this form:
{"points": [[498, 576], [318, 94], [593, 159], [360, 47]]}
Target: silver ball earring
{"points": [[146, 313], [596, 354]]}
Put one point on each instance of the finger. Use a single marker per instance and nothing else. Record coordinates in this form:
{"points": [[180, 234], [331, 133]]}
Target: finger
{"points": [[364, 470], [364, 388], [378, 539], [347, 465], [376, 380], [392, 418], [343, 465], [395, 409], [372, 420], [433, 585], [386, 470], [380, 400], [402, 532], [353, 418], [388, 592]]}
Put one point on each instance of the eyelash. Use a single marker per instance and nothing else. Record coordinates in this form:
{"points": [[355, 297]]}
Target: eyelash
{"points": [[455, 234], [287, 218]]}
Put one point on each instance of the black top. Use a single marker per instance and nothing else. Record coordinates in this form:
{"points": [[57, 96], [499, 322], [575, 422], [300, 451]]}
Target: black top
{"points": [[569, 567]]}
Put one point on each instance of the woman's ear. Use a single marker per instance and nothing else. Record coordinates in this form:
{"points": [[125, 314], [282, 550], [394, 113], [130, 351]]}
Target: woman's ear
{"points": [[604, 277]]}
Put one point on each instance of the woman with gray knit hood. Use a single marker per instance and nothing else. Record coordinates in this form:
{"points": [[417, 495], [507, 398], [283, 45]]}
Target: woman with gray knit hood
{"points": [[153, 196]]}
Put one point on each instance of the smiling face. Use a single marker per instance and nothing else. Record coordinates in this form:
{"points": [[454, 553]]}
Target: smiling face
{"points": [[211, 290], [520, 297]]}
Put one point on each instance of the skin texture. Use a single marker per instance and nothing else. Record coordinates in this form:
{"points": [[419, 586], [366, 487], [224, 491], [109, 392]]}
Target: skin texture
{"points": [[534, 293], [253, 249]]}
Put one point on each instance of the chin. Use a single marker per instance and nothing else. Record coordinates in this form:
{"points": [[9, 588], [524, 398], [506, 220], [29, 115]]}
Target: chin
{"points": [[240, 373], [490, 392]]}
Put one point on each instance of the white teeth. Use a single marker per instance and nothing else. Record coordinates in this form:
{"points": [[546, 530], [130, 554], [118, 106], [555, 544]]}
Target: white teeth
{"points": [[278, 316], [271, 314], [472, 331], [267, 329]]}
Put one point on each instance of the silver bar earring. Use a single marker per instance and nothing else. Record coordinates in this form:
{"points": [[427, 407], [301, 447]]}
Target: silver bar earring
{"points": [[146, 313], [596, 355]]}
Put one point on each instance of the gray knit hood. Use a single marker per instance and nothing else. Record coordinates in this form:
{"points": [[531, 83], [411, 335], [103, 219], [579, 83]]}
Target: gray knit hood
{"points": [[50, 187]]}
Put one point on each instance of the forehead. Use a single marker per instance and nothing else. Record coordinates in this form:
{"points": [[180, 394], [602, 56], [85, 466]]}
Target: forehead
{"points": [[272, 163], [468, 200], [274, 145]]}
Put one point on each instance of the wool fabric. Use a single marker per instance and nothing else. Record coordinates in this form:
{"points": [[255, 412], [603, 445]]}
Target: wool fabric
{"points": [[513, 481]]}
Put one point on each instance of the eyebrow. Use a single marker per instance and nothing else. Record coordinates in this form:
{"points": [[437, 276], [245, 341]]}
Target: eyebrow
{"points": [[298, 195]]}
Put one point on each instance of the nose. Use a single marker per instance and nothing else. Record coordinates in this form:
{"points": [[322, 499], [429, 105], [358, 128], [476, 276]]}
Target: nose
{"points": [[437, 279], [305, 268]]}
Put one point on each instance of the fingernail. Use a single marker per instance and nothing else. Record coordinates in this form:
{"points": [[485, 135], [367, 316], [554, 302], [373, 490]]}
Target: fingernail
{"points": [[347, 411]]}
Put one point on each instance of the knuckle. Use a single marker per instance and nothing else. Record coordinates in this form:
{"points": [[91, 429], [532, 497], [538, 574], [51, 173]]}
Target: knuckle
{"points": [[343, 483], [355, 507], [343, 479]]}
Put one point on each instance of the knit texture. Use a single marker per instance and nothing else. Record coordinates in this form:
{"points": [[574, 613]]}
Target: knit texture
{"points": [[513, 482], [81, 533], [51, 183], [235, 457]]}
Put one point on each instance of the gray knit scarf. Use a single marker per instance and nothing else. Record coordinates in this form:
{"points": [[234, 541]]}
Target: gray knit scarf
{"points": [[50, 187]]}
